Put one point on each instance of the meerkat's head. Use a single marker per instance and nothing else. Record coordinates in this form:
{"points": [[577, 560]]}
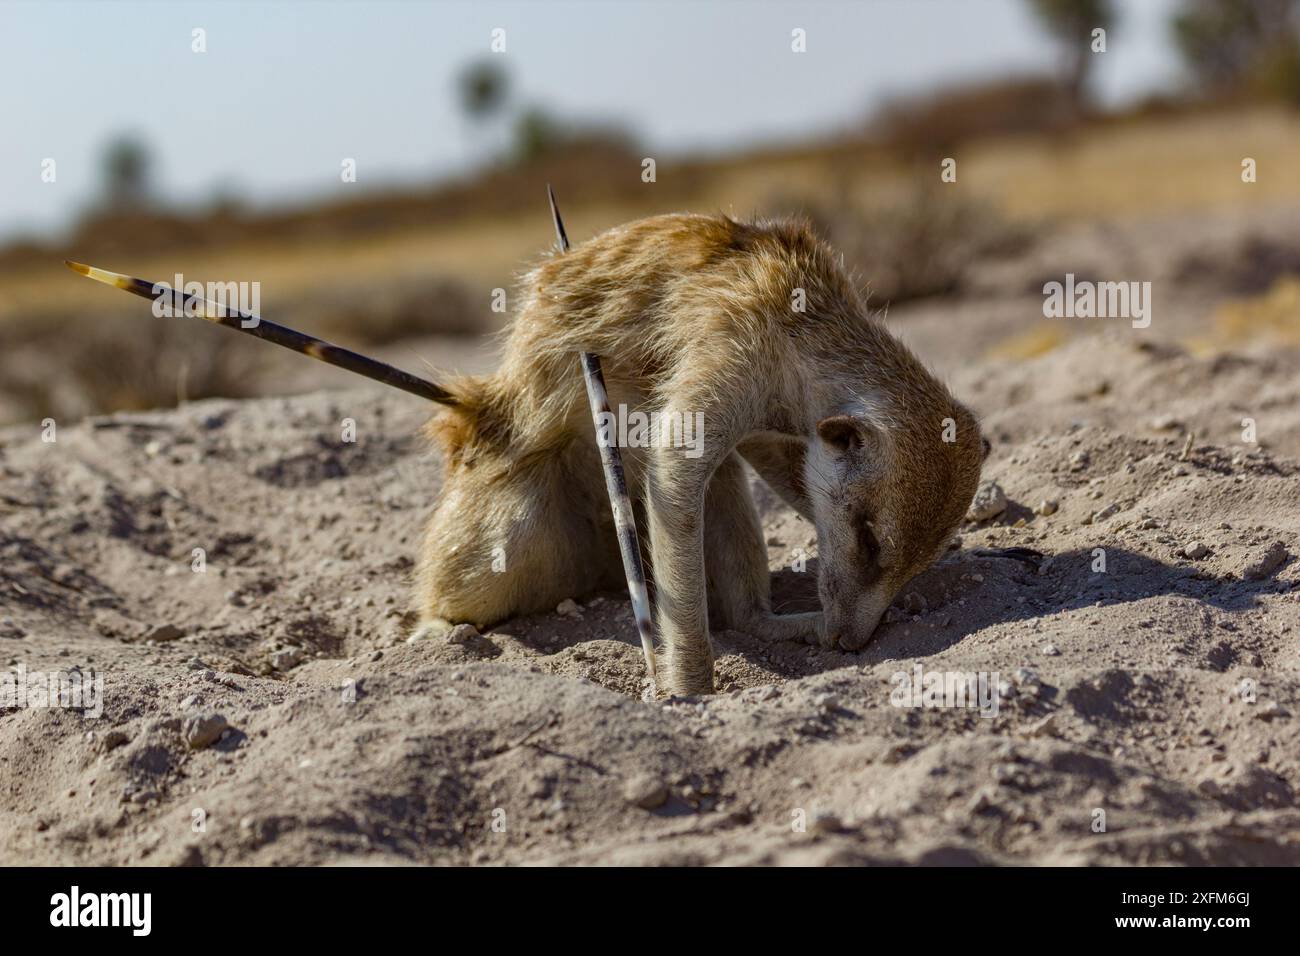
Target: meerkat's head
{"points": [[889, 485]]}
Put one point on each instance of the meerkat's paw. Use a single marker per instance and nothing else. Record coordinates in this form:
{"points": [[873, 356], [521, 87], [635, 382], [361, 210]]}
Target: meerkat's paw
{"points": [[806, 627], [683, 674], [431, 628]]}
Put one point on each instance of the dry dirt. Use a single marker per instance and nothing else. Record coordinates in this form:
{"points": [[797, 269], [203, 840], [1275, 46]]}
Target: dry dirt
{"points": [[1162, 690]]}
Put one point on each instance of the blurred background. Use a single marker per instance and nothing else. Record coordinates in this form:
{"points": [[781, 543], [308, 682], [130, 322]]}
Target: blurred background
{"points": [[380, 168]]}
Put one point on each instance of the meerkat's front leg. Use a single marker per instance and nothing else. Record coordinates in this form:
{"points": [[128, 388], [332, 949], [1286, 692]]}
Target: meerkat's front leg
{"points": [[674, 504], [739, 583]]}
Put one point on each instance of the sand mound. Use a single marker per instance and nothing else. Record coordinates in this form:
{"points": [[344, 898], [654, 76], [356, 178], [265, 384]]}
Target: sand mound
{"points": [[270, 709]]}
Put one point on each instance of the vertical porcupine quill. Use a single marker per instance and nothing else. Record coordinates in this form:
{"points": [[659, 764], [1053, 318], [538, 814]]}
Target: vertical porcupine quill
{"points": [[616, 484]]}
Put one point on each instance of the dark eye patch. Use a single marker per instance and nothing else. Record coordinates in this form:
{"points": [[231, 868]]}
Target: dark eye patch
{"points": [[868, 550]]}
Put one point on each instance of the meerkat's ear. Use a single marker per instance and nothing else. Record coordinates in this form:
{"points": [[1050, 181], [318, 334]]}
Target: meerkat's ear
{"points": [[851, 436], [843, 433], [987, 447]]}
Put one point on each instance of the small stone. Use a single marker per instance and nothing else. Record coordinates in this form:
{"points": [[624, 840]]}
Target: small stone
{"points": [[826, 702], [897, 753], [989, 502], [462, 634], [163, 633], [1196, 550], [1051, 650], [1044, 728], [203, 730], [1079, 460], [568, 608], [1272, 559], [286, 658], [826, 823], [645, 791], [1105, 512], [1270, 711]]}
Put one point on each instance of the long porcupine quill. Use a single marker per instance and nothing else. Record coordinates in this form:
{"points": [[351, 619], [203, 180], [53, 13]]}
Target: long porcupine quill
{"points": [[201, 308], [616, 484], [330, 354]]}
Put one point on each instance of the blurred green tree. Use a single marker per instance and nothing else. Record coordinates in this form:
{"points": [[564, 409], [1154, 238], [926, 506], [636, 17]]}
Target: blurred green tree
{"points": [[483, 90], [1241, 47], [537, 134], [1071, 22], [127, 169]]}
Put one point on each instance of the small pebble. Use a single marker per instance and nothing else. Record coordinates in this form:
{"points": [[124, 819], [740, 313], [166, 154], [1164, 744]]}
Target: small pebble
{"points": [[203, 730], [645, 791], [990, 501]]}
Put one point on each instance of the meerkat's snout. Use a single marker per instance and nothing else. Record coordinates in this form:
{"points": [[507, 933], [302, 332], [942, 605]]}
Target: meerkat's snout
{"points": [[851, 619]]}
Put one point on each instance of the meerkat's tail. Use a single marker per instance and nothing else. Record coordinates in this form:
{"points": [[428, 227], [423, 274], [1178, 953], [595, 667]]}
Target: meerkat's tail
{"points": [[177, 302]]}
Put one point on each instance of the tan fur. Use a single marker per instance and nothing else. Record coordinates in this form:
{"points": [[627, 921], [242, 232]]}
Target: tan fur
{"points": [[695, 314]]}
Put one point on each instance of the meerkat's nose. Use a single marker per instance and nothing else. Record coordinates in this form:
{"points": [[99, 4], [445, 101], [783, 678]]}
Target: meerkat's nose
{"points": [[867, 613]]}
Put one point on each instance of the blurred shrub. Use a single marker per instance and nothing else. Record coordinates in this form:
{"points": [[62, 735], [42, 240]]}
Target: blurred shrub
{"points": [[70, 365], [932, 124], [377, 313], [1272, 315], [1250, 266], [1241, 48], [73, 365], [920, 243], [539, 134]]}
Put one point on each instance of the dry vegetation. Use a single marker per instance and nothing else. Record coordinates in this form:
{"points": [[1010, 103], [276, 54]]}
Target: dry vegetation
{"points": [[388, 268]]}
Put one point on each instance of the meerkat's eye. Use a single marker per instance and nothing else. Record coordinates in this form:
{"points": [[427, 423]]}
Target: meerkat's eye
{"points": [[869, 551]]}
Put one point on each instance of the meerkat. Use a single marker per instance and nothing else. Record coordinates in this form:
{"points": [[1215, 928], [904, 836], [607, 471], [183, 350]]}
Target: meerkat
{"points": [[753, 329]]}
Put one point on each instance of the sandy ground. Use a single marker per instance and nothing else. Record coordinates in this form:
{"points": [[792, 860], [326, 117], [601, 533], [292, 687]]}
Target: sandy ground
{"points": [[270, 709]]}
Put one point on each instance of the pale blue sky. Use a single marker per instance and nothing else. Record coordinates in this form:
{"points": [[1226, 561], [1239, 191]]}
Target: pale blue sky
{"points": [[287, 89]]}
